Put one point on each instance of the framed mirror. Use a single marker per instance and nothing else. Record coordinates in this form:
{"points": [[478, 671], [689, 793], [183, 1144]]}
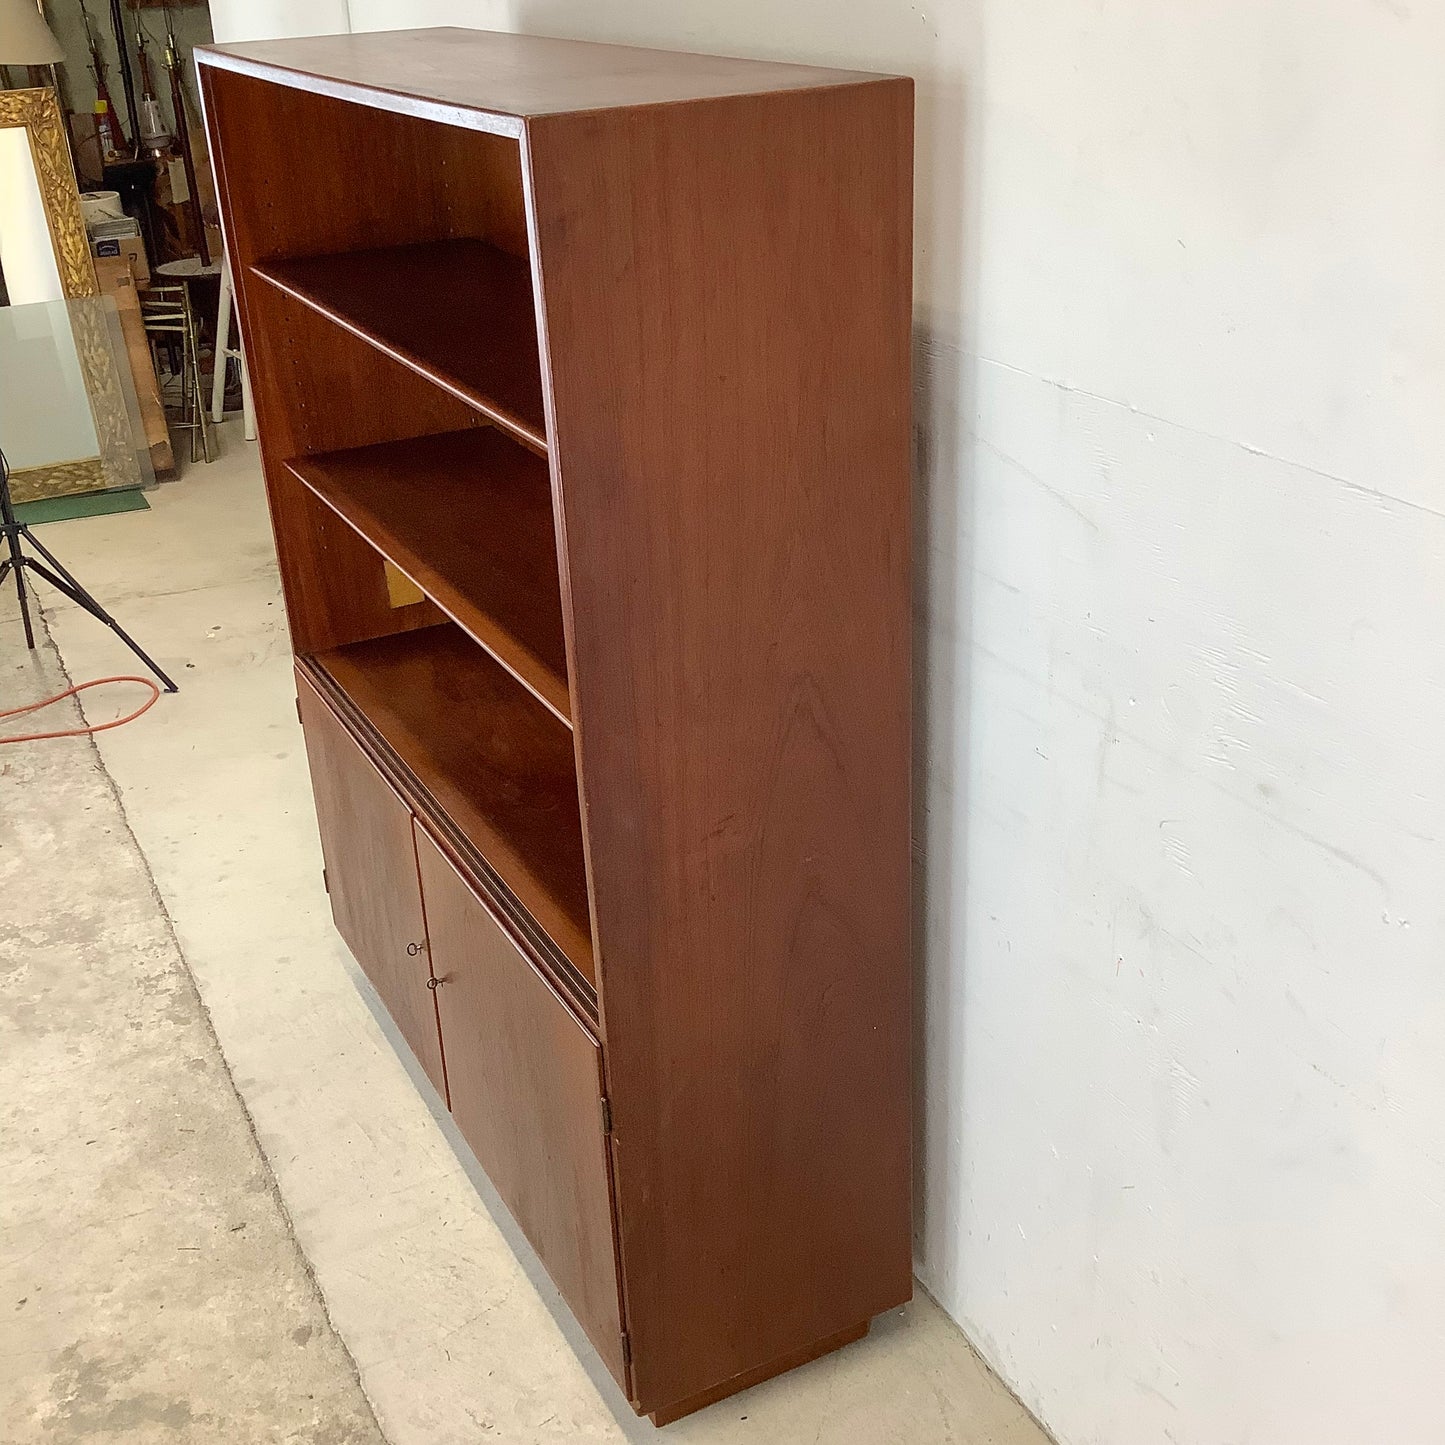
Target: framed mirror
{"points": [[44, 253], [69, 419]]}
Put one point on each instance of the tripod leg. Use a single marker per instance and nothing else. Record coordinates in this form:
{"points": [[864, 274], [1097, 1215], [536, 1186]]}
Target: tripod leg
{"points": [[64, 581], [16, 563], [12, 530]]}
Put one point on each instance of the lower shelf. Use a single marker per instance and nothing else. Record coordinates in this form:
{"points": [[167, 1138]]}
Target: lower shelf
{"points": [[496, 762]]}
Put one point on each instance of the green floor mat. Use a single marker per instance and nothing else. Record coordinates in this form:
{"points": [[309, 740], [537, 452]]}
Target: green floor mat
{"points": [[87, 504]]}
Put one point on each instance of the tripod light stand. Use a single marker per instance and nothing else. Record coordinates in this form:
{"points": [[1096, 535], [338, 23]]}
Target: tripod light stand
{"points": [[25, 39], [14, 533]]}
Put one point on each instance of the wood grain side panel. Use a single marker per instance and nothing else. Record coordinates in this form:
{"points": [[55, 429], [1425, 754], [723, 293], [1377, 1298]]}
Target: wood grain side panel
{"points": [[366, 839], [726, 298], [526, 1092]]}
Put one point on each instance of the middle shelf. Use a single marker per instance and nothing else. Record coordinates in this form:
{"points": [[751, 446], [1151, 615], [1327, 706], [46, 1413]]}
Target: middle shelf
{"points": [[468, 517]]}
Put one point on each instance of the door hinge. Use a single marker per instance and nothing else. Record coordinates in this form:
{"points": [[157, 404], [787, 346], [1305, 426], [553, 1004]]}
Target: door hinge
{"points": [[606, 1114], [299, 718], [626, 1349], [325, 881]]}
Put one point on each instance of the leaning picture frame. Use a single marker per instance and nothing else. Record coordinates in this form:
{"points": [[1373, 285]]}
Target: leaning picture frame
{"points": [[89, 326], [37, 112]]}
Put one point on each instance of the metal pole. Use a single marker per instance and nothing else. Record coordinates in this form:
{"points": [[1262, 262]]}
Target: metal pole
{"points": [[127, 79], [183, 136]]}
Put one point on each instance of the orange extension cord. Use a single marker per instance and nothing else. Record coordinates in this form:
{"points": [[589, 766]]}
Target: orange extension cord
{"points": [[71, 692]]}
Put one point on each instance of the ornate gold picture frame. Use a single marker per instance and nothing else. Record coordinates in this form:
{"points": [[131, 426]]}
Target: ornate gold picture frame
{"points": [[39, 114]]}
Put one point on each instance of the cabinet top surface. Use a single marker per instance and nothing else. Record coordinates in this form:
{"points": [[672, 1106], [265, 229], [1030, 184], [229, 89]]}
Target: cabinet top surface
{"points": [[469, 76]]}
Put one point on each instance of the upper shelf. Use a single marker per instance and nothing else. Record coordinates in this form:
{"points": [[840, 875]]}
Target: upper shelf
{"points": [[468, 517], [459, 312]]}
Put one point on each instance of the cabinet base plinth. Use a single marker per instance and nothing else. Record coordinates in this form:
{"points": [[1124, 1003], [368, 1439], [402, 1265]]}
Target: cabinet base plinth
{"points": [[668, 1413]]}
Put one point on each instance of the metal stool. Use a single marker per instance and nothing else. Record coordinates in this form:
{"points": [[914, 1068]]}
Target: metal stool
{"points": [[170, 322], [225, 354]]}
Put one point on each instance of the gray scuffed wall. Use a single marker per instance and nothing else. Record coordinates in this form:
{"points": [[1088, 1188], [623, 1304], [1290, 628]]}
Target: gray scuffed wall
{"points": [[193, 27], [1181, 640]]}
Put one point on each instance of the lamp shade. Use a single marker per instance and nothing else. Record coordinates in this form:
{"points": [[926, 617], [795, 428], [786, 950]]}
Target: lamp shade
{"points": [[25, 38]]}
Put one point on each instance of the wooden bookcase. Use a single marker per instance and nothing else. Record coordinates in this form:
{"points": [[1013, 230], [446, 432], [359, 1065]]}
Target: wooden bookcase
{"points": [[582, 376]]}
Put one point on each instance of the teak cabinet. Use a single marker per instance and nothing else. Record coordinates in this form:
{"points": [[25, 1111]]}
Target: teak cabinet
{"points": [[582, 376]]}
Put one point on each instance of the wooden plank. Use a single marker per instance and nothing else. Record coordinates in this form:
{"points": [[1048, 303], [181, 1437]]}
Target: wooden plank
{"points": [[366, 839], [526, 1093], [730, 424], [497, 763], [117, 280], [458, 312], [468, 517], [489, 79]]}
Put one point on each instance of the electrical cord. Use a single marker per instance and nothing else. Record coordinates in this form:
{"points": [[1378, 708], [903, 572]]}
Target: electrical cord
{"points": [[71, 692], [12, 534]]}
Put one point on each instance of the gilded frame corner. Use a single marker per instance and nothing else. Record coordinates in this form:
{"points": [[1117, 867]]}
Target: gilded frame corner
{"points": [[38, 113]]}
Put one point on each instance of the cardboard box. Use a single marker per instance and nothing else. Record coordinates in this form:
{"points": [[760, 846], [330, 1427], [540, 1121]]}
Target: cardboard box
{"points": [[132, 249]]}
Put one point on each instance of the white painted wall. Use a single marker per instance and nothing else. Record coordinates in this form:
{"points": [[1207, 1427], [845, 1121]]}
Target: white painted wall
{"points": [[273, 19], [1181, 401], [192, 27]]}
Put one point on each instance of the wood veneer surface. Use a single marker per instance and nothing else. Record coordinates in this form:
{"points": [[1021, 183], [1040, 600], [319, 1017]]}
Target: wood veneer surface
{"points": [[371, 873], [471, 76], [731, 439], [526, 1094], [721, 259]]}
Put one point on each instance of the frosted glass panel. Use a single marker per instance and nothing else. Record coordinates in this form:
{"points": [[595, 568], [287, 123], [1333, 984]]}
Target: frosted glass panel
{"points": [[69, 420], [45, 413]]}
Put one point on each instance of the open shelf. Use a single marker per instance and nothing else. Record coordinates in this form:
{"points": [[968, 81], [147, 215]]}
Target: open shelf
{"points": [[468, 517], [496, 762], [458, 312]]}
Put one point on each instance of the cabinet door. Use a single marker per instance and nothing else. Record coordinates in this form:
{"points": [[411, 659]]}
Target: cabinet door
{"points": [[526, 1092], [366, 839]]}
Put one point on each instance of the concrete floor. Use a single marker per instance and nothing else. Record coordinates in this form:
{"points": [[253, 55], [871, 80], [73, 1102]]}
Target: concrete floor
{"points": [[444, 1314], [150, 1286]]}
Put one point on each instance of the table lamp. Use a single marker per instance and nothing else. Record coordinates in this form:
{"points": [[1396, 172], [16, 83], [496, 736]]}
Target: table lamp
{"points": [[25, 38]]}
